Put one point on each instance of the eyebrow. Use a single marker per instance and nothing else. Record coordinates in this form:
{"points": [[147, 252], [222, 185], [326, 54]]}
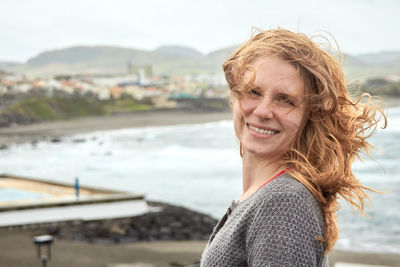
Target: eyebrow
{"points": [[284, 93], [296, 98]]}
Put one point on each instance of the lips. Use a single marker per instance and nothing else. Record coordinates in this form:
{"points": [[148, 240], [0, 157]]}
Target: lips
{"points": [[259, 130]]}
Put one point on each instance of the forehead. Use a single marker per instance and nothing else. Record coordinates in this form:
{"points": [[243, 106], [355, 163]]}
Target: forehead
{"points": [[272, 72]]}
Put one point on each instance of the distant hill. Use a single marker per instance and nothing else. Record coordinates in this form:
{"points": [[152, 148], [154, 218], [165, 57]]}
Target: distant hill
{"points": [[372, 65], [174, 60], [5, 65], [385, 58], [85, 59], [169, 60], [79, 54]]}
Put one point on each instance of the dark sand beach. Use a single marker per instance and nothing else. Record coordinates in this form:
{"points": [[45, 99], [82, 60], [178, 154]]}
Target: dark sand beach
{"points": [[17, 248]]}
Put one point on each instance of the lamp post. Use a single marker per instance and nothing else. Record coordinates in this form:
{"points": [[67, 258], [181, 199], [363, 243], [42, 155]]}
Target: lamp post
{"points": [[43, 241]]}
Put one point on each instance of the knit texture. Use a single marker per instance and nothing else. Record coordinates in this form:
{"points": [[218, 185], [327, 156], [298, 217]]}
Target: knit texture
{"points": [[276, 226]]}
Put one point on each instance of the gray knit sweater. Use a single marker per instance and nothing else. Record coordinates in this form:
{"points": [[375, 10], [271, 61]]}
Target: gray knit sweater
{"points": [[276, 226]]}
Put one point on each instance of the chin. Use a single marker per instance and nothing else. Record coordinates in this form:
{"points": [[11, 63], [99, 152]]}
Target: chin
{"points": [[266, 152], [261, 153]]}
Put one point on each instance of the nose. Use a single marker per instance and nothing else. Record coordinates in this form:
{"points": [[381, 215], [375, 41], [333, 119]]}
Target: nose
{"points": [[264, 108]]}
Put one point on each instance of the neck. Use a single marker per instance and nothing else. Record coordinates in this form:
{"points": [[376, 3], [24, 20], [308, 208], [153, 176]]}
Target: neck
{"points": [[257, 171]]}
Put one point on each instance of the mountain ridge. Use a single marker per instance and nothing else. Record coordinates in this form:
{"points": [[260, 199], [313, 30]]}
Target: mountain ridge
{"points": [[172, 60]]}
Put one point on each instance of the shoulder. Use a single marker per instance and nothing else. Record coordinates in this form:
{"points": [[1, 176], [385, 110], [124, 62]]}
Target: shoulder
{"points": [[286, 191], [287, 184], [286, 208], [286, 222]]}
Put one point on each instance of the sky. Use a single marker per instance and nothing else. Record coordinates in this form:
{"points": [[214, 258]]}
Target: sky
{"points": [[29, 27]]}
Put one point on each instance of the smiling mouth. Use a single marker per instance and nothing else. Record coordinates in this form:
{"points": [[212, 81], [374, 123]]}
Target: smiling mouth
{"points": [[262, 131]]}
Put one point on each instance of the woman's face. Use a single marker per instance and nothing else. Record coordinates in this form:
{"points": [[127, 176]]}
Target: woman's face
{"points": [[267, 118]]}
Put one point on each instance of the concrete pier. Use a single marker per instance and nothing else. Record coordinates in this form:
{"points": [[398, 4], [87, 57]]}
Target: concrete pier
{"points": [[57, 202]]}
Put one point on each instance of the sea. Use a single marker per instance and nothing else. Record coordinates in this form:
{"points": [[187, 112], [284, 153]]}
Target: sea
{"points": [[198, 166]]}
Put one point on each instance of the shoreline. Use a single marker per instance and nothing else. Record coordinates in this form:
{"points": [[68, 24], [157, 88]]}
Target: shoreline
{"points": [[53, 130], [18, 250]]}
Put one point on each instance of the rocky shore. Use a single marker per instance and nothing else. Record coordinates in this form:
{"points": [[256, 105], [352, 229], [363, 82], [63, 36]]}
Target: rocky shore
{"points": [[164, 222], [154, 239]]}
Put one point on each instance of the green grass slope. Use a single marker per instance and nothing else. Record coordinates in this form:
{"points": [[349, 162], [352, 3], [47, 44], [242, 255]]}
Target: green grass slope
{"points": [[55, 108]]}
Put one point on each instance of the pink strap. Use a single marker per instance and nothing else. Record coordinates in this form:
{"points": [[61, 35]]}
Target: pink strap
{"points": [[279, 174]]}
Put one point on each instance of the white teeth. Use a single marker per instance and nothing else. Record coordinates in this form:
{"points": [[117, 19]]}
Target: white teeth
{"points": [[262, 131]]}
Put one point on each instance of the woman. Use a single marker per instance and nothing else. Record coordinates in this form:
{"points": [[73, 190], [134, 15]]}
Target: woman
{"points": [[299, 132]]}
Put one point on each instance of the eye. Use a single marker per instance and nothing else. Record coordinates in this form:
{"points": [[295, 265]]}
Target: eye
{"points": [[255, 92], [286, 99]]}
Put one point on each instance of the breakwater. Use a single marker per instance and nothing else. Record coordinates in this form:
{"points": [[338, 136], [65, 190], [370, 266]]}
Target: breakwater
{"points": [[163, 222]]}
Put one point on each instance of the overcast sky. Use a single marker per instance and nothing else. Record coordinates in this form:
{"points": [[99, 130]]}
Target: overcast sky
{"points": [[29, 27]]}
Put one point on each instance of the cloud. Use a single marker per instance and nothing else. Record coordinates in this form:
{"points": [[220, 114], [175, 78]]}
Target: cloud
{"points": [[29, 27]]}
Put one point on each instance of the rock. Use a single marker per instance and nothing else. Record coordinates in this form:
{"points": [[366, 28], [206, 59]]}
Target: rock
{"points": [[165, 230], [116, 229], [55, 140], [79, 140], [168, 223], [3, 146]]}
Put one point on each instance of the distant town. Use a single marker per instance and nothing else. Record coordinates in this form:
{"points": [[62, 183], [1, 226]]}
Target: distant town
{"points": [[25, 100], [139, 84]]}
